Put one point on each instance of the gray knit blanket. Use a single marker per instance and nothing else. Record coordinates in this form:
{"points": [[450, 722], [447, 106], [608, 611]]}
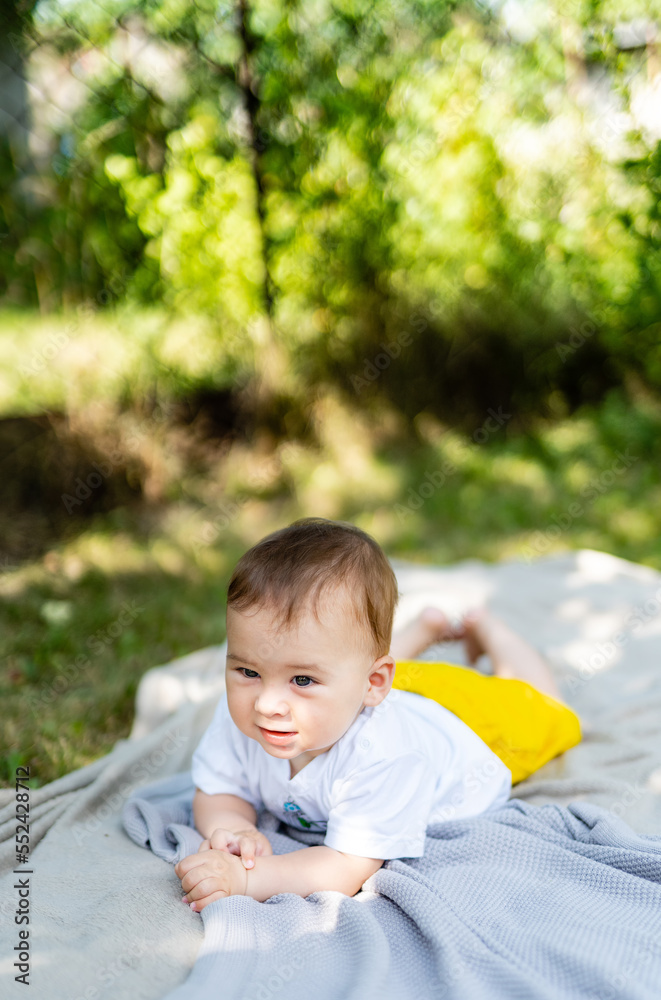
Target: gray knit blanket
{"points": [[526, 903]]}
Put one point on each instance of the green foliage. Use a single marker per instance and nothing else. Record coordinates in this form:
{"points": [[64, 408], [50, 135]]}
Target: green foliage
{"points": [[483, 179], [191, 217]]}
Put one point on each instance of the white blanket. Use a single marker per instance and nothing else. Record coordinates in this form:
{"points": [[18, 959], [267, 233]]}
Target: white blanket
{"points": [[106, 917]]}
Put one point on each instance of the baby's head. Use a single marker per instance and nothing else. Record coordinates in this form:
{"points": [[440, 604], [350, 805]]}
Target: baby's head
{"points": [[309, 623]]}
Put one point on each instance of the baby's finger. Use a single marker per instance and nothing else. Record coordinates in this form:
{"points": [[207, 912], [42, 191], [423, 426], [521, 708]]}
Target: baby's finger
{"points": [[204, 846], [188, 863], [248, 847], [199, 904], [264, 846], [220, 839], [191, 882]]}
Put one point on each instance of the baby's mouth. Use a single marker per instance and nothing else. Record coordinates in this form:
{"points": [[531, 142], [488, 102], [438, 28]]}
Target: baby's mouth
{"points": [[277, 735]]}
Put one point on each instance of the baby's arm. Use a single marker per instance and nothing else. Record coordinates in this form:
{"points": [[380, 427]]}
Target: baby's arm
{"points": [[312, 869], [213, 875], [227, 812]]}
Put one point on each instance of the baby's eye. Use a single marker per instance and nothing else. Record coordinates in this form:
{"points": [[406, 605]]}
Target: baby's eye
{"points": [[303, 682], [247, 672]]}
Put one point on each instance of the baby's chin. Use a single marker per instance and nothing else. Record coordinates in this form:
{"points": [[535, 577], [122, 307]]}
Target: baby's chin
{"points": [[296, 755]]}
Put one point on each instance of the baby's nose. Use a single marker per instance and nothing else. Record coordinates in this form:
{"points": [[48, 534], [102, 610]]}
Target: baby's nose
{"points": [[270, 701]]}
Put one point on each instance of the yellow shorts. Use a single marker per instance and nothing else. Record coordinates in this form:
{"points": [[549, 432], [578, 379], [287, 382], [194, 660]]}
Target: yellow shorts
{"points": [[522, 726]]}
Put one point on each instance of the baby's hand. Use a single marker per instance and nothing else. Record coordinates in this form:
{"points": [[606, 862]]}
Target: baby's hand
{"points": [[210, 876], [246, 843]]}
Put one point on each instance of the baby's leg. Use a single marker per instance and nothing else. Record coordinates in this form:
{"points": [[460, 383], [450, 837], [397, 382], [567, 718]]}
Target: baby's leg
{"points": [[482, 634], [510, 654]]}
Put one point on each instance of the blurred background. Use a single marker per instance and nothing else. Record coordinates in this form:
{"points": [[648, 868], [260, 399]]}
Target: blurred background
{"points": [[397, 263]]}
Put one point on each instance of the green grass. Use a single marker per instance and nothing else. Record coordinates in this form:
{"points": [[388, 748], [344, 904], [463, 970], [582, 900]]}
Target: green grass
{"points": [[79, 644], [136, 587], [66, 361]]}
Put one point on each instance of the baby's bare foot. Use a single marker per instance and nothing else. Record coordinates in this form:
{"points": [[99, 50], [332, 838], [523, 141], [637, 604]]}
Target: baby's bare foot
{"points": [[431, 626]]}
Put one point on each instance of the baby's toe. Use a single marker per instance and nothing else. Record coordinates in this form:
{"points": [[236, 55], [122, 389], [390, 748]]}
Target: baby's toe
{"points": [[438, 625]]}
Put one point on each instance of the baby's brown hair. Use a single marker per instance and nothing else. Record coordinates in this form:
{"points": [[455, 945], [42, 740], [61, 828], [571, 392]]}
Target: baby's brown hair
{"points": [[289, 569]]}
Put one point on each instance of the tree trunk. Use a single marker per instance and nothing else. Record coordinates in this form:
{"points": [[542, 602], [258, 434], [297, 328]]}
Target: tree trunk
{"points": [[15, 159], [270, 355]]}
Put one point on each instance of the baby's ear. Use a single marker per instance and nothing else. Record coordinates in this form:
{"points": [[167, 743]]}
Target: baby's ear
{"points": [[380, 679]]}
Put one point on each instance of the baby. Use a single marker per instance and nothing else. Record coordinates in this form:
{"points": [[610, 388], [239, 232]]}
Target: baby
{"points": [[311, 729]]}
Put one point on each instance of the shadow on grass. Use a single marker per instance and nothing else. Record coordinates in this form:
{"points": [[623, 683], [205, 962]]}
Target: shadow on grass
{"points": [[76, 644]]}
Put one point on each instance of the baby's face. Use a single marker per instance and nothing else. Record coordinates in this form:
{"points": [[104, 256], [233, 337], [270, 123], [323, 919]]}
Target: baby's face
{"points": [[297, 690]]}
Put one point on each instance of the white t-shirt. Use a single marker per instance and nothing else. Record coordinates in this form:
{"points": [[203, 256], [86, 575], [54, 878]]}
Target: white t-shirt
{"points": [[401, 766]]}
